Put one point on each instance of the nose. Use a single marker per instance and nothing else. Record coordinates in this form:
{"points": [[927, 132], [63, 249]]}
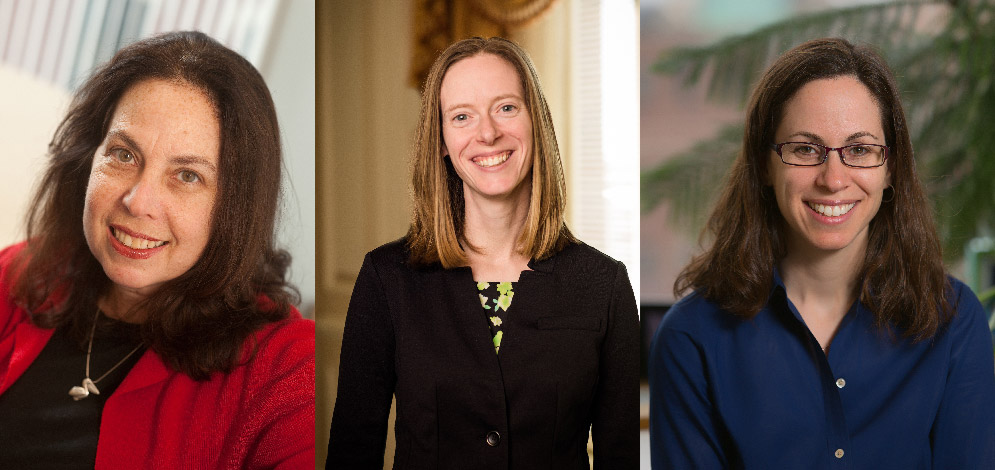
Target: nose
{"points": [[142, 200], [488, 131], [833, 175]]}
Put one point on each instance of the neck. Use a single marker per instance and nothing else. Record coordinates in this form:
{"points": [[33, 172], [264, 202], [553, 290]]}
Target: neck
{"points": [[492, 227], [823, 281], [119, 303]]}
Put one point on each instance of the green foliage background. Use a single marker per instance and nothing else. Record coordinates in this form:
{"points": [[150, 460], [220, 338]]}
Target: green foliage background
{"points": [[943, 56]]}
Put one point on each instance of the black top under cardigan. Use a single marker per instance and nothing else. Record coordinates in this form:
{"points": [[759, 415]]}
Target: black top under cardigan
{"points": [[569, 363]]}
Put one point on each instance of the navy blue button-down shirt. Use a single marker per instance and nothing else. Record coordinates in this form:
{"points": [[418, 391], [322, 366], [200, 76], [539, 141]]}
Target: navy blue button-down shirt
{"points": [[760, 393]]}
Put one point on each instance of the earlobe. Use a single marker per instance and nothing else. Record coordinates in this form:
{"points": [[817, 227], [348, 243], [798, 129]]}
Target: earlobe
{"points": [[445, 151]]}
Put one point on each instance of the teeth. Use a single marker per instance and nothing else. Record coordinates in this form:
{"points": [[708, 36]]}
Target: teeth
{"points": [[831, 211], [135, 243], [493, 160]]}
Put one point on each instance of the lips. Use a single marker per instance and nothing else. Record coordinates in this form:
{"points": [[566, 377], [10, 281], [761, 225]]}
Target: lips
{"points": [[494, 159], [134, 245]]}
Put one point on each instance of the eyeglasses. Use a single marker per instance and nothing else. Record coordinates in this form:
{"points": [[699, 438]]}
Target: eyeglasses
{"points": [[853, 155]]}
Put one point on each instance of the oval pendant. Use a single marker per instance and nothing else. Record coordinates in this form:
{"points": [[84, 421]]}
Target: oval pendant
{"points": [[78, 393]]}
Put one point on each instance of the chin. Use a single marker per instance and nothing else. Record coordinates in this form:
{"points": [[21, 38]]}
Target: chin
{"points": [[832, 243], [129, 280]]}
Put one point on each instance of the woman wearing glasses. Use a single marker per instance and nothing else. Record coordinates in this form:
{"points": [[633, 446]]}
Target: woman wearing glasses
{"points": [[822, 330]]}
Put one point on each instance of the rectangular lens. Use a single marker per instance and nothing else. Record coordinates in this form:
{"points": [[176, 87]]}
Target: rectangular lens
{"points": [[863, 155], [802, 153]]}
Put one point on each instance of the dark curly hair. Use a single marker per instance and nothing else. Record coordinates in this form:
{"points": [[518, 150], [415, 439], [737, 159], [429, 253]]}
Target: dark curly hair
{"points": [[197, 322]]}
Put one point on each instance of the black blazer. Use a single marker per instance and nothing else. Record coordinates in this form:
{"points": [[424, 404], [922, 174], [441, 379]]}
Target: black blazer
{"points": [[569, 360]]}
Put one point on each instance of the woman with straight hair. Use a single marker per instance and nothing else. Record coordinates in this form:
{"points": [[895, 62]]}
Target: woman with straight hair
{"points": [[822, 330], [146, 321], [504, 340]]}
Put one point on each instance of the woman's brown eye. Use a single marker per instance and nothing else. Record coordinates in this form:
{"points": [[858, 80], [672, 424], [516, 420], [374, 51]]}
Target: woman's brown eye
{"points": [[123, 156], [189, 177]]}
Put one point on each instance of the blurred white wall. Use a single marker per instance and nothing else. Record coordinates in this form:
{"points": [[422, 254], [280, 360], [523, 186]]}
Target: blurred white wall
{"points": [[30, 110], [288, 67]]}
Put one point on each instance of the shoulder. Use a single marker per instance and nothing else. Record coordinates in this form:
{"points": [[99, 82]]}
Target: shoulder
{"points": [[278, 373], [7, 257], [580, 260], [582, 272], [9, 253], [268, 400], [389, 256], [582, 253], [963, 298], [396, 250], [968, 310], [285, 344], [10, 314], [696, 317]]}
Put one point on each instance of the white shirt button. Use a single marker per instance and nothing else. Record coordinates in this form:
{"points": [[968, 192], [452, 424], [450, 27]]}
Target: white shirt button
{"points": [[840, 383], [839, 453]]}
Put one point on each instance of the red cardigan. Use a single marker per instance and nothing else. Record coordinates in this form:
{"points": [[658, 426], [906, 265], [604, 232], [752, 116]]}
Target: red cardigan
{"points": [[261, 415]]}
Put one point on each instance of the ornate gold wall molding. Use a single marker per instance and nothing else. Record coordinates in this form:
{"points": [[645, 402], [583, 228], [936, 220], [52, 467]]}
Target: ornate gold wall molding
{"points": [[439, 23]]}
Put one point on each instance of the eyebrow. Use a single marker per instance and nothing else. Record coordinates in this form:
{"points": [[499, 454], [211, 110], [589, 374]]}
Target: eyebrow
{"points": [[816, 137], [497, 98], [176, 160], [193, 160]]}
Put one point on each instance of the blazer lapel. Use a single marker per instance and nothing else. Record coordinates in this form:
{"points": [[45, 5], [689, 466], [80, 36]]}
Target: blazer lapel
{"points": [[29, 340], [149, 370], [532, 300], [467, 316]]}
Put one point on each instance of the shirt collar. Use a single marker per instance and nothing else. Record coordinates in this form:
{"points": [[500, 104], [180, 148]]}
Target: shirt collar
{"points": [[779, 297]]}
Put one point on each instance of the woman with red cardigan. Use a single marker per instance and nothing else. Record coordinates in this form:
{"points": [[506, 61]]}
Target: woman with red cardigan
{"points": [[147, 320]]}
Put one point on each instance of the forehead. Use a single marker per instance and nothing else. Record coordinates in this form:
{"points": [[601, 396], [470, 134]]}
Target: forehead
{"points": [[479, 77], [831, 107], [174, 116]]}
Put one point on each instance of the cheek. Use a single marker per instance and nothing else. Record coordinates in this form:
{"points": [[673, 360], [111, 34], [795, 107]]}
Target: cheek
{"points": [[525, 131], [875, 184], [99, 193], [786, 192], [192, 218], [453, 140]]}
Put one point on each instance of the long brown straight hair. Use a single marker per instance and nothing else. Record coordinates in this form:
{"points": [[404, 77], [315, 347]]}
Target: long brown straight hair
{"points": [[197, 323], [437, 227], [902, 278]]}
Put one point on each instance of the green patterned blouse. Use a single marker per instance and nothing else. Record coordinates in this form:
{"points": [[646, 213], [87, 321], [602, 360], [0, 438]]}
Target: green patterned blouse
{"points": [[495, 298]]}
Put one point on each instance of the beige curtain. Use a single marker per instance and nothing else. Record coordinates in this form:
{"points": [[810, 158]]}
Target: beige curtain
{"points": [[439, 23]]}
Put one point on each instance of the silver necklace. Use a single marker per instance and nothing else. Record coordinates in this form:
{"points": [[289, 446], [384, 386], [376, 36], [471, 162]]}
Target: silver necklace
{"points": [[90, 386]]}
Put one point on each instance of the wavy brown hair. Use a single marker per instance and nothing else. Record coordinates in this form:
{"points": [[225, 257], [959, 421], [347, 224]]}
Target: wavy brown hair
{"points": [[902, 278], [197, 322], [437, 229]]}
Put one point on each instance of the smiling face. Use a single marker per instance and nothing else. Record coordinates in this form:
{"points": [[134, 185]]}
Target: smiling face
{"points": [[829, 207], [153, 185], [486, 128]]}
